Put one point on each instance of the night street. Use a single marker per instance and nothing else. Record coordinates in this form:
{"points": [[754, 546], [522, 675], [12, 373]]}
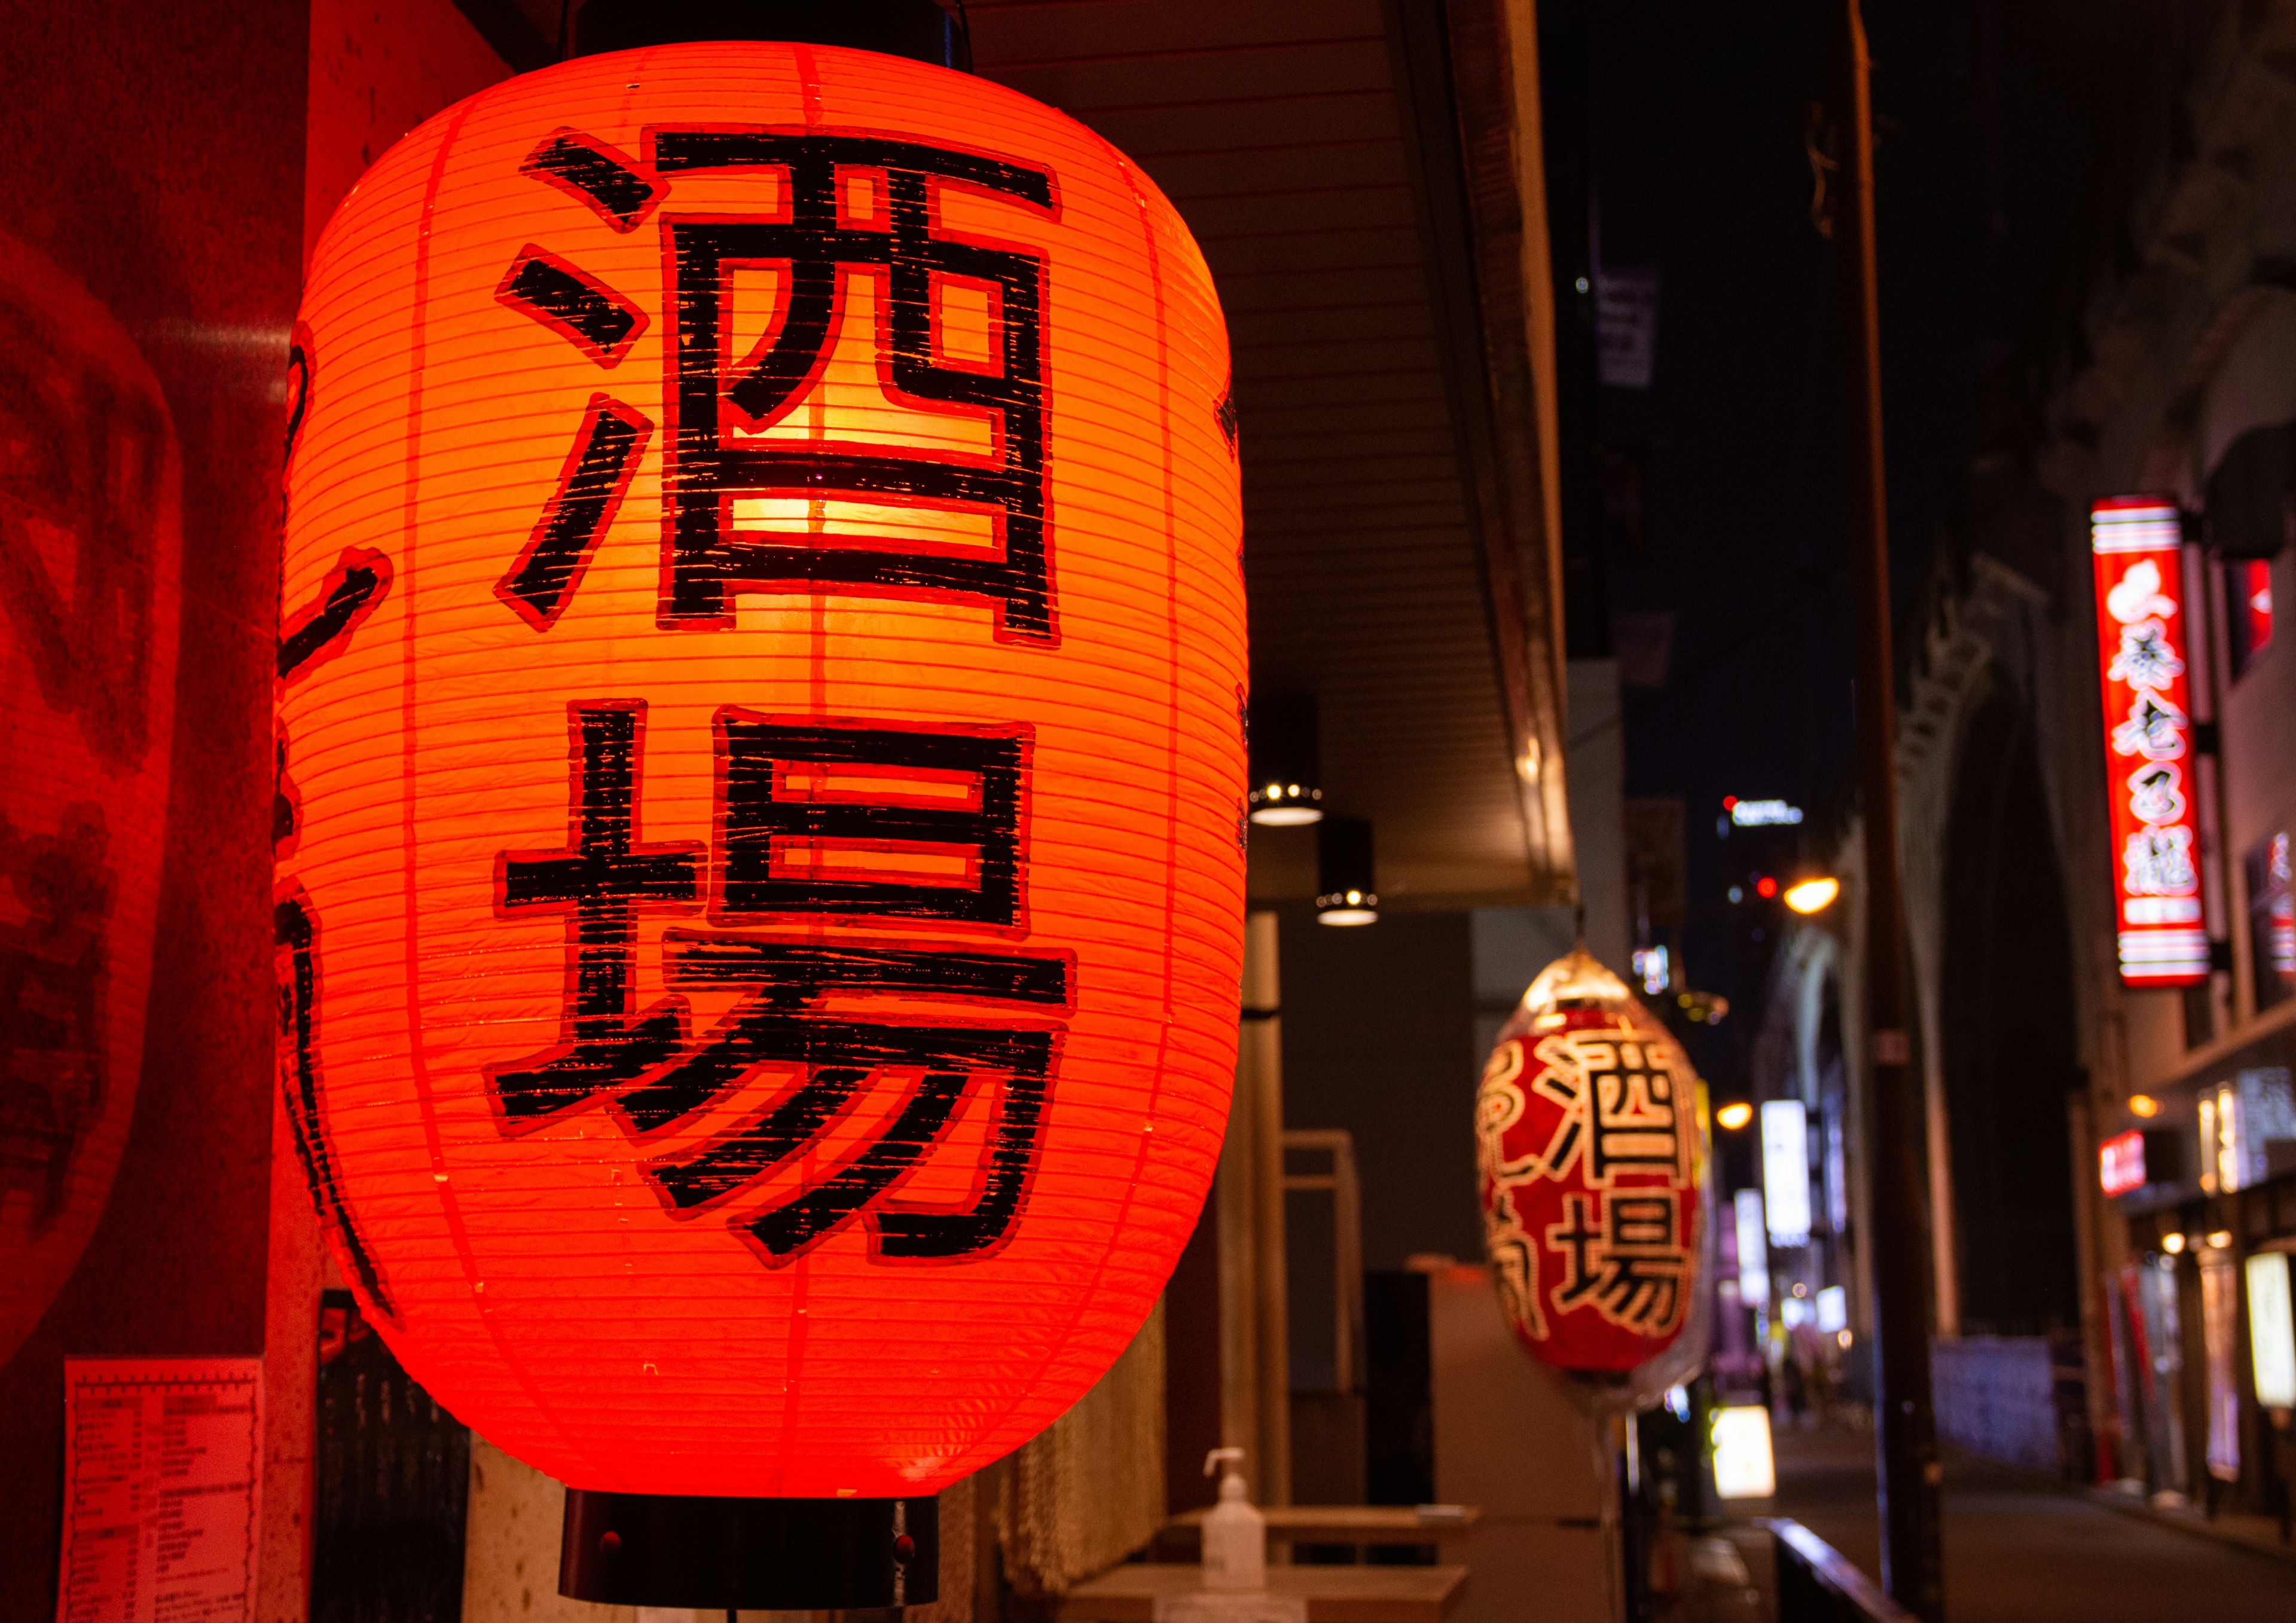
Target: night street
{"points": [[1147, 811], [2018, 1549]]}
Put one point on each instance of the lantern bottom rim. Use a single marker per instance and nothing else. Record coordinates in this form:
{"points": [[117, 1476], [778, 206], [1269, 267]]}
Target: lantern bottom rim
{"points": [[703, 1550]]}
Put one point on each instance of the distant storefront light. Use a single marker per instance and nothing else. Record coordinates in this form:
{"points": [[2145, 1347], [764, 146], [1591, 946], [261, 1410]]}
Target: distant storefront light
{"points": [[2240, 1122], [2271, 1330], [1761, 814], [2120, 1162], [1735, 1115], [1743, 1468], [2220, 1344], [1786, 1170], [1832, 1310], [2137, 544], [1813, 895], [1754, 1249], [1652, 969]]}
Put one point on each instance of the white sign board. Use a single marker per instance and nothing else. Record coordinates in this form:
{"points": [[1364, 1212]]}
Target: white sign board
{"points": [[2272, 1331], [163, 1478], [1742, 1466], [1786, 1170], [1754, 1249]]}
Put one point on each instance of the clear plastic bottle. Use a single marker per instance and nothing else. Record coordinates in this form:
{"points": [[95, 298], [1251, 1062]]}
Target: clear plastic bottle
{"points": [[1235, 1534]]}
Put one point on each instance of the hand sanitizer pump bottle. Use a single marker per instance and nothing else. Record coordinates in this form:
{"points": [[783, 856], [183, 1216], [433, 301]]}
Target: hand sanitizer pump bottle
{"points": [[1236, 1535]]}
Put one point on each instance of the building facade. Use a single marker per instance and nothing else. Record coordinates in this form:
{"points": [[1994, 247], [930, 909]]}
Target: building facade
{"points": [[2098, 784]]}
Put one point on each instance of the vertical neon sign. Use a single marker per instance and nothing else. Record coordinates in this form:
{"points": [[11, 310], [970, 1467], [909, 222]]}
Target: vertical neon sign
{"points": [[2142, 659]]}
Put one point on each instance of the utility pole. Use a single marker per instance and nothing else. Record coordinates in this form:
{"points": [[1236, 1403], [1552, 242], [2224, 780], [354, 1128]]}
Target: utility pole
{"points": [[1905, 1423]]}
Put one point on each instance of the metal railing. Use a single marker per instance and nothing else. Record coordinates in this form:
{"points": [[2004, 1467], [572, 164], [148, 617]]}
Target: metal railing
{"points": [[1817, 1585]]}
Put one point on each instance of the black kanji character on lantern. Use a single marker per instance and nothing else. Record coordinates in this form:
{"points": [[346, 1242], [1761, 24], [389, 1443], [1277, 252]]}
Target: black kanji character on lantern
{"points": [[1619, 1108], [780, 1023], [600, 882], [843, 820], [861, 821], [1632, 1267], [321, 630], [295, 936], [883, 821], [817, 247]]}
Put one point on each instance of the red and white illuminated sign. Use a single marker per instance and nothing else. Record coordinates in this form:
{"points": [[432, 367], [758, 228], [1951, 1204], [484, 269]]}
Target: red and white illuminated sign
{"points": [[2120, 1162], [2142, 654]]}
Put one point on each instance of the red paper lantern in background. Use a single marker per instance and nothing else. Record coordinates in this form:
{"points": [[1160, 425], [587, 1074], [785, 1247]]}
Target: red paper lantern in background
{"points": [[90, 596], [761, 924], [1592, 1155]]}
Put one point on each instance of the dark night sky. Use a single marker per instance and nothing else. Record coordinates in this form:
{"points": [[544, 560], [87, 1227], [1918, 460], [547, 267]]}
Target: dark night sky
{"points": [[1989, 116]]}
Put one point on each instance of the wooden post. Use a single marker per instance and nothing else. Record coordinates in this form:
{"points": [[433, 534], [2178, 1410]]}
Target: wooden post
{"points": [[1255, 1353]]}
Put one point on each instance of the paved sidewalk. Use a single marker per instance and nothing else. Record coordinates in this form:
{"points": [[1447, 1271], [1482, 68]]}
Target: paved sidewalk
{"points": [[2019, 1549], [2257, 1533]]}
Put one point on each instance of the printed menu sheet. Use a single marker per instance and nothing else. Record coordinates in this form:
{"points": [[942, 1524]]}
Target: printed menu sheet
{"points": [[163, 1471]]}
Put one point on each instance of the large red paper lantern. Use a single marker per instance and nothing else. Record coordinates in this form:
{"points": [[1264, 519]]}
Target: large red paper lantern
{"points": [[90, 596], [760, 923], [1591, 1150]]}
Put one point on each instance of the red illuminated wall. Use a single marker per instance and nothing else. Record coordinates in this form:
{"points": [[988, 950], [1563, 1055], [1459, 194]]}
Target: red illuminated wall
{"points": [[154, 153], [158, 156]]}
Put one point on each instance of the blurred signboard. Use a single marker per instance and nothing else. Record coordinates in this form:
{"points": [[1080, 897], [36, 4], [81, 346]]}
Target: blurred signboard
{"points": [[1786, 1170], [1743, 1468], [2271, 1330], [1626, 327], [2144, 647], [1754, 1249], [2120, 1162]]}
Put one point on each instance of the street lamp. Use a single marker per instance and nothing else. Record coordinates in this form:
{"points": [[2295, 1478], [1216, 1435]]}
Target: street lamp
{"points": [[1813, 895], [1735, 1115]]}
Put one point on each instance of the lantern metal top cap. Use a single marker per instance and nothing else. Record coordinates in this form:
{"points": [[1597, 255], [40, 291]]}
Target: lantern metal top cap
{"points": [[918, 29], [1577, 977]]}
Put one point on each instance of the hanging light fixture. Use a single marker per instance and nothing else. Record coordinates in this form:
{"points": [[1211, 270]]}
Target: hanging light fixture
{"points": [[1345, 872], [761, 744], [1286, 762]]}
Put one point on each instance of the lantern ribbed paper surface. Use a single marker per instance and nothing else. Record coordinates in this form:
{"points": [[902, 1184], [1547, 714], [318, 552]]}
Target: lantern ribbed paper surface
{"points": [[1592, 1153], [760, 899]]}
